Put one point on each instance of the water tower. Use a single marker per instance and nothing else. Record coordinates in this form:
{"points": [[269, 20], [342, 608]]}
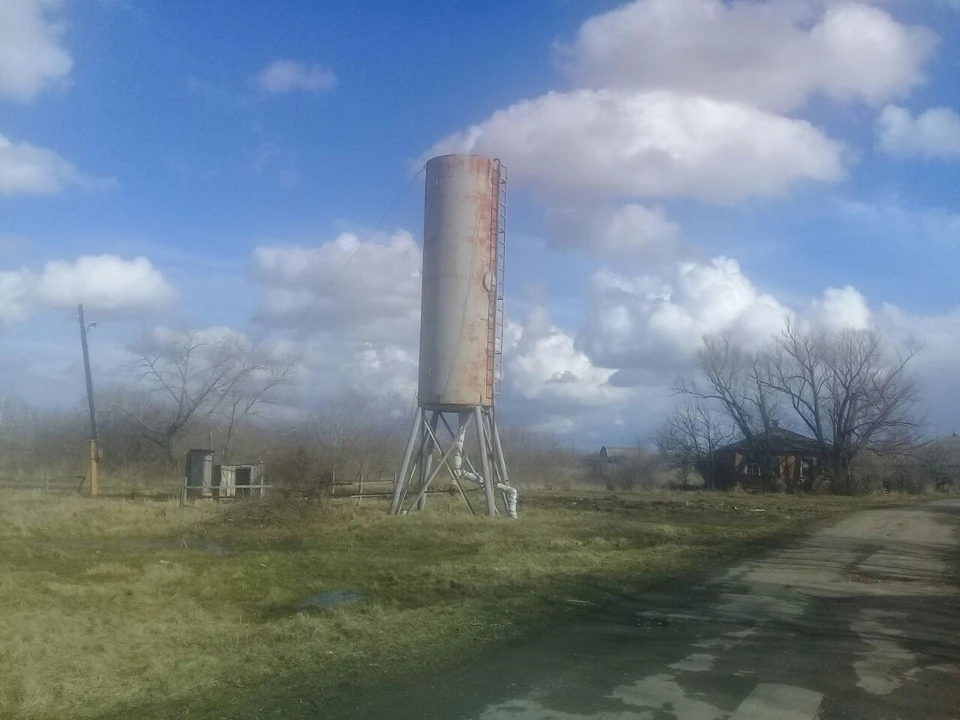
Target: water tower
{"points": [[454, 437]]}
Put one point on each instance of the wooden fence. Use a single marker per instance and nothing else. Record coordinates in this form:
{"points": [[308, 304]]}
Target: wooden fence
{"points": [[62, 484], [362, 487], [214, 492]]}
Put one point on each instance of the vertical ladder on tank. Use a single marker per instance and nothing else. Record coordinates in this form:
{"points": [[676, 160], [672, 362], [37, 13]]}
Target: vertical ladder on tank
{"points": [[490, 377], [499, 318]]}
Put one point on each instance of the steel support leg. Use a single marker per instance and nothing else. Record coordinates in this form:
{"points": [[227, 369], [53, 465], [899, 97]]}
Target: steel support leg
{"points": [[501, 460], [485, 462], [401, 484], [429, 446]]}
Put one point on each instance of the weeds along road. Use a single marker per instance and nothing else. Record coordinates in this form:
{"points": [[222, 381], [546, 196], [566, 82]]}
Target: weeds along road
{"points": [[859, 619]]}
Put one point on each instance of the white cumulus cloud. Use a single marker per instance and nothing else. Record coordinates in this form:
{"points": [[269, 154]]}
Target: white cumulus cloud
{"points": [[101, 282], [651, 144], [543, 364], [840, 309], [26, 169], [631, 232], [32, 56], [374, 368], [934, 133], [360, 289], [656, 323], [771, 54], [287, 76], [104, 282], [15, 302]]}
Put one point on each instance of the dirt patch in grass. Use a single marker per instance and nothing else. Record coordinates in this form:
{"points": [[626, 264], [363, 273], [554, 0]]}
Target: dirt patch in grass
{"points": [[123, 609]]}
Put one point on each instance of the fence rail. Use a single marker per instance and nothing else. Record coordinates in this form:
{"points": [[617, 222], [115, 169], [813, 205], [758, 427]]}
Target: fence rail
{"points": [[215, 492], [361, 488], [381, 488], [47, 484]]}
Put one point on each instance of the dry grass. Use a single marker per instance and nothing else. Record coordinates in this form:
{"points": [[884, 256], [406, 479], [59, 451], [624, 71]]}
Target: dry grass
{"points": [[120, 609]]}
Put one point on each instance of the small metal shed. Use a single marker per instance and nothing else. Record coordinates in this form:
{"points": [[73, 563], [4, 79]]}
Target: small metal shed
{"points": [[199, 472], [239, 480]]}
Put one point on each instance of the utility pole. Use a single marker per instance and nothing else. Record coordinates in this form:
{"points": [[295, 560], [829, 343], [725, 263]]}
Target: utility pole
{"points": [[94, 434]]}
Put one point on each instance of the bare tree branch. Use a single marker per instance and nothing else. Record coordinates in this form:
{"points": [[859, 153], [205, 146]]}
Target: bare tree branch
{"points": [[737, 381], [192, 376], [848, 389], [690, 437]]}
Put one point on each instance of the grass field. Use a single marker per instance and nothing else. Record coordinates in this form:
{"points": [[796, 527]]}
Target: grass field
{"points": [[136, 609]]}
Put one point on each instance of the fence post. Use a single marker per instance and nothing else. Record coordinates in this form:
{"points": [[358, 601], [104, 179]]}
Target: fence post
{"points": [[360, 496]]}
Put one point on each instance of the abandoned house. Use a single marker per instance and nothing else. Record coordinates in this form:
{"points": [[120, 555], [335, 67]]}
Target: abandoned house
{"points": [[788, 461]]}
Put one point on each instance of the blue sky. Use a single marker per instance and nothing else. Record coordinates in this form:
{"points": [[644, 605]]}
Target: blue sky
{"points": [[813, 144]]}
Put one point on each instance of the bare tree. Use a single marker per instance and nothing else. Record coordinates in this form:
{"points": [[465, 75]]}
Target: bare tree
{"points": [[190, 376], [263, 387], [691, 436], [850, 391], [736, 381]]}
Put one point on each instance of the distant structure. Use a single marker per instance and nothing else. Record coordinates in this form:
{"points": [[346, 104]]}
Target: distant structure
{"points": [[239, 480], [199, 472], [615, 455], [204, 479], [461, 339], [777, 460]]}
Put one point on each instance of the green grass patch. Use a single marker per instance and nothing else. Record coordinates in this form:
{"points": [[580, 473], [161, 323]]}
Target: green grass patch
{"points": [[120, 608]]}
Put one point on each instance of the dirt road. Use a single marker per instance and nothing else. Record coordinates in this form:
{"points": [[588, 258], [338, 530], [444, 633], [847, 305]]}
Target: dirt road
{"points": [[860, 619]]}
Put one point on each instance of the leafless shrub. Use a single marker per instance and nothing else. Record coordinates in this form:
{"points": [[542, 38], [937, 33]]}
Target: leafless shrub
{"points": [[193, 376], [643, 469], [299, 472], [41, 440], [540, 460]]}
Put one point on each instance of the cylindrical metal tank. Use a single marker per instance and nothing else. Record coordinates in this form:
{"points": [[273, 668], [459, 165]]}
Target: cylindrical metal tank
{"points": [[458, 333]]}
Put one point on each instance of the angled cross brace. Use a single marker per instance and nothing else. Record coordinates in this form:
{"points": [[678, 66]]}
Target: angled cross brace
{"points": [[418, 470]]}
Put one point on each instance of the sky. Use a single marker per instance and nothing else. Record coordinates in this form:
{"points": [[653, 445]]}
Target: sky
{"points": [[676, 168]]}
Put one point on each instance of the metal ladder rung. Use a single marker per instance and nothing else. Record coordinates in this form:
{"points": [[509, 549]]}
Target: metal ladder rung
{"points": [[499, 304]]}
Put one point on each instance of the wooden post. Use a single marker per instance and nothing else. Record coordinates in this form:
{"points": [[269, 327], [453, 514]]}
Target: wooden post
{"points": [[94, 469], [399, 486], [94, 433], [360, 496]]}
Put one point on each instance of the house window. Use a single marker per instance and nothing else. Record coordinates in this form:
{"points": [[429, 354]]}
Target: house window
{"points": [[807, 466], [775, 466], [753, 469]]}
